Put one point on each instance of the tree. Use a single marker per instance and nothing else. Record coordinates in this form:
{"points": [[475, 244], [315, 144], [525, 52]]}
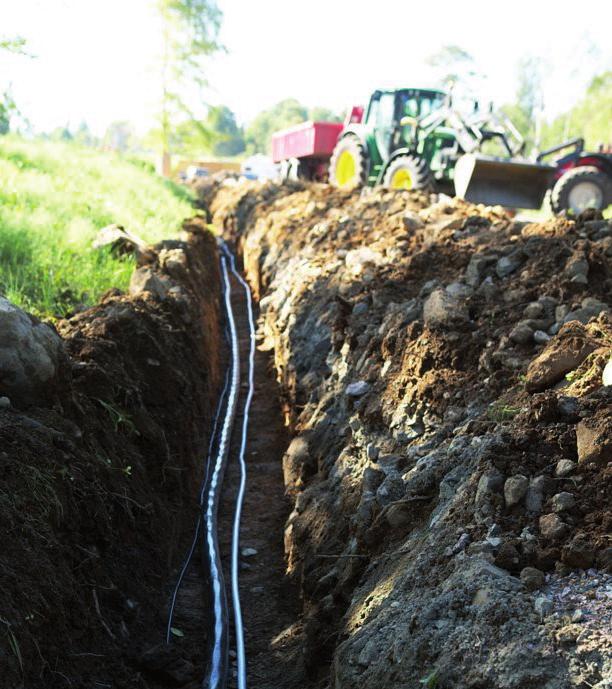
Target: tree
{"points": [[284, 114], [190, 31], [8, 107], [589, 118], [229, 138], [526, 111], [119, 136], [454, 64]]}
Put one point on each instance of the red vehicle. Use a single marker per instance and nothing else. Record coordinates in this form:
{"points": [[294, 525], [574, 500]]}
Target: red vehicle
{"points": [[583, 179], [304, 150]]}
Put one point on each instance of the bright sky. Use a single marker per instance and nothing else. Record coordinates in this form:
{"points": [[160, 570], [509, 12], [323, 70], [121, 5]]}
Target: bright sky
{"points": [[96, 60]]}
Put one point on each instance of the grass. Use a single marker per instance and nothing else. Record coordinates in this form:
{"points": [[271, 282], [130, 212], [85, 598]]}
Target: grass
{"points": [[54, 198]]}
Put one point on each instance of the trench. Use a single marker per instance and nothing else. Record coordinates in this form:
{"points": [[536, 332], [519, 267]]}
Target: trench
{"points": [[270, 601]]}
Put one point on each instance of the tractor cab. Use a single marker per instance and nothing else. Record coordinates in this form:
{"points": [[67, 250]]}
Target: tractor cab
{"points": [[391, 121]]}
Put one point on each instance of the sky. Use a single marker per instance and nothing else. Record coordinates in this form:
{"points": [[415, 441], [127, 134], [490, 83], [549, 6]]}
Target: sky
{"points": [[96, 61]]}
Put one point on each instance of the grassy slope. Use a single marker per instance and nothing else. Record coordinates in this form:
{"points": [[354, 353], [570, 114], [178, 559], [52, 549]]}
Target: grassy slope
{"points": [[54, 197]]}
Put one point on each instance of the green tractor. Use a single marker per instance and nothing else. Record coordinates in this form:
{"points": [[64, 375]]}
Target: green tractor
{"points": [[416, 139]]}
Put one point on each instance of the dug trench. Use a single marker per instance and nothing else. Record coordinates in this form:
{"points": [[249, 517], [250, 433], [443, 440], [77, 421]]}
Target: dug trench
{"points": [[445, 373], [104, 431], [441, 518]]}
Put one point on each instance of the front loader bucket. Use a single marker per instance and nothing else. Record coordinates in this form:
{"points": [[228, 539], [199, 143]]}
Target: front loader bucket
{"points": [[494, 181]]}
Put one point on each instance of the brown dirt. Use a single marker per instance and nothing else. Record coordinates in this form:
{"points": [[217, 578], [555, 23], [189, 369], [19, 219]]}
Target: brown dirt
{"points": [[98, 490]]}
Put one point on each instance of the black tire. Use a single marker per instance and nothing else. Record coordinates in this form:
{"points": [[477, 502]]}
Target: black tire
{"points": [[414, 168], [348, 146], [563, 195]]}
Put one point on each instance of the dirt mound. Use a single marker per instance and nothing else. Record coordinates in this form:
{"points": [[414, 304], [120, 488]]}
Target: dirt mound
{"points": [[98, 482], [441, 365]]}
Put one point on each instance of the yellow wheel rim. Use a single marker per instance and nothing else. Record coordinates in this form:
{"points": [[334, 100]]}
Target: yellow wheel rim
{"points": [[346, 169], [402, 179]]}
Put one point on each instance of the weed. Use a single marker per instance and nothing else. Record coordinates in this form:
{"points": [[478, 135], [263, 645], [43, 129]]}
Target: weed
{"points": [[118, 418], [430, 681], [499, 412], [13, 643]]}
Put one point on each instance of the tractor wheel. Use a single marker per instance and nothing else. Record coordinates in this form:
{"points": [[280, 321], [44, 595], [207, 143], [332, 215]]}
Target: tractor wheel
{"points": [[348, 164], [408, 172], [580, 188]]}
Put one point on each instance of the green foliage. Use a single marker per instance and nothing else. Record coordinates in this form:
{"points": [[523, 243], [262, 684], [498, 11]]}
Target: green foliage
{"points": [[430, 681], [589, 118], [284, 114], [453, 63], [524, 111], [14, 45], [54, 198], [229, 138], [190, 31]]}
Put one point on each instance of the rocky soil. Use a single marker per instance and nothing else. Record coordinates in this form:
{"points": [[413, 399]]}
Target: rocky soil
{"points": [[103, 419], [442, 368]]}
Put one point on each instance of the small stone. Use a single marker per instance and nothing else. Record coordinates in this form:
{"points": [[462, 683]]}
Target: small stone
{"points": [[441, 309], [540, 337], [514, 489], [532, 578], [5, 402], [372, 452], [248, 552], [564, 467], [490, 482], [508, 264], [360, 308], [543, 606], [507, 557], [562, 502], [552, 526], [257, 589], [412, 221], [522, 333], [594, 440], [534, 310], [535, 494], [459, 290], [578, 553], [577, 615], [357, 389], [561, 312]]}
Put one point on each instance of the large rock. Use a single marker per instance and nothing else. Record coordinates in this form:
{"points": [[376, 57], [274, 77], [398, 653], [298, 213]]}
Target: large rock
{"points": [[594, 438], [442, 309], [31, 356], [147, 280], [563, 354]]}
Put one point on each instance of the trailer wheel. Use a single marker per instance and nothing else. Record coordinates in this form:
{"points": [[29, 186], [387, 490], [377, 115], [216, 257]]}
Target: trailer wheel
{"points": [[580, 188], [408, 172], [348, 164]]}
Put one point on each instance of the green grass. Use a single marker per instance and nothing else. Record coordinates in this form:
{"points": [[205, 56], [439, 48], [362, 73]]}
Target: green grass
{"points": [[54, 198]]}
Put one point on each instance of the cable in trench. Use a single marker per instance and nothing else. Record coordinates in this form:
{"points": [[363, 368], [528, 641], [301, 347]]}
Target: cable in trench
{"points": [[216, 675], [239, 630]]}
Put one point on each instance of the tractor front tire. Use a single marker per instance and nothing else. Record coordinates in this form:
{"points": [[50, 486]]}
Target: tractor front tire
{"points": [[408, 172], [348, 164], [580, 188]]}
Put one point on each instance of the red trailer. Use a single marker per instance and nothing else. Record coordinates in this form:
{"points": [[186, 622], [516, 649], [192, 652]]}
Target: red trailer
{"points": [[304, 150]]}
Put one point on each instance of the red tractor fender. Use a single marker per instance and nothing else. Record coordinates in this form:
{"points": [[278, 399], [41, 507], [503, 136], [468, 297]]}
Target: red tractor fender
{"points": [[601, 161]]}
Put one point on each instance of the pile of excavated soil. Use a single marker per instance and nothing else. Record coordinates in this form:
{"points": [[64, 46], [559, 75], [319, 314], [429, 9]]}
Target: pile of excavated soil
{"points": [[101, 435], [442, 367]]}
